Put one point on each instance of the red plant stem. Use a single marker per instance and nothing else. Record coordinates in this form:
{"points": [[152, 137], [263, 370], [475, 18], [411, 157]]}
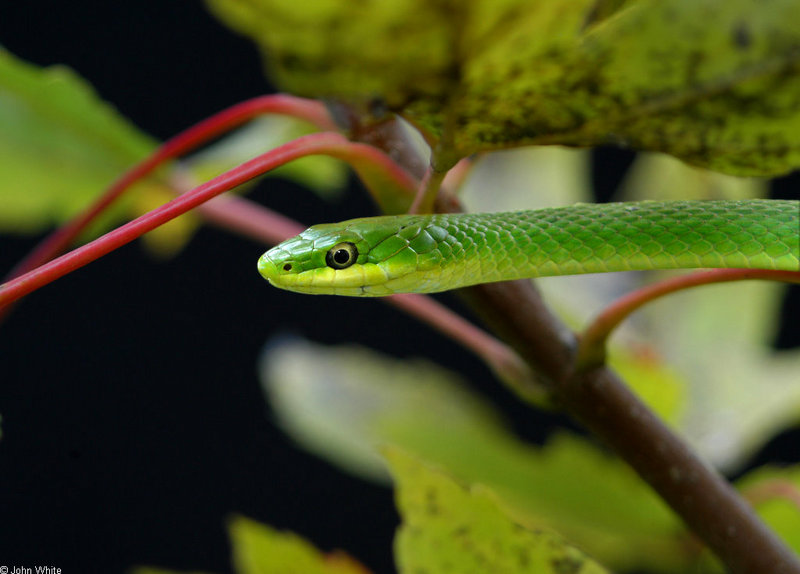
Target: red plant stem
{"points": [[591, 350], [222, 122], [323, 143]]}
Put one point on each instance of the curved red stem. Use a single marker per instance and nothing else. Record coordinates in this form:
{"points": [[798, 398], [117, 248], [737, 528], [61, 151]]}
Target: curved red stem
{"points": [[188, 140], [327, 143], [592, 342]]}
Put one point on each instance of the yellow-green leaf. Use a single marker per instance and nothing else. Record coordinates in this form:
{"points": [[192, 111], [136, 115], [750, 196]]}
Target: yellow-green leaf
{"points": [[60, 145], [343, 403], [397, 50], [448, 529], [775, 494], [260, 549], [712, 82], [659, 176]]}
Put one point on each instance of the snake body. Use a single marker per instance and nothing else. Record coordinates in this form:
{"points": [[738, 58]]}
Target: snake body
{"points": [[428, 253]]}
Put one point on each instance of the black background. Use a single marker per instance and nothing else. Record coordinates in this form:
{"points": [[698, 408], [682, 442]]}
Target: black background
{"points": [[132, 420]]}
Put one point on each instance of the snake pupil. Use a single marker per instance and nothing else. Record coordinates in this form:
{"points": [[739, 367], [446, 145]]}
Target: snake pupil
{"points": [[341, 255], [287, 267]]}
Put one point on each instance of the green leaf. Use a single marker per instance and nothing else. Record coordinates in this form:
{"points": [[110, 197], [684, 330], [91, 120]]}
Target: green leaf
{"points": [[659, 385], [260, 549], [342, 403], [339, 404], [447, 528], [775, 494], [712, 82], [392, 49], [60, 145]]}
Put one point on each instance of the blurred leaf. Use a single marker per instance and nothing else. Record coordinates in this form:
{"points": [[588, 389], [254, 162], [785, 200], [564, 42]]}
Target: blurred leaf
{"points": [[740, 392], [170, 238], [260, 549], [775, 494], [528, 178], [398, 50], [714, 83], [659, 385], [60, 145], [336, 404], [659, 176], [343, 403], [447, 528], [324, 175]]}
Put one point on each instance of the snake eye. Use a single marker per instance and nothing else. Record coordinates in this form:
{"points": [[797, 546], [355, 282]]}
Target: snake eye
{"points": [[341, 255]]}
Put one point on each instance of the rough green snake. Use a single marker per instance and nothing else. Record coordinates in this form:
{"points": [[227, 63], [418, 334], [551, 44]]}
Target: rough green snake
{"points": [[428, 253]]}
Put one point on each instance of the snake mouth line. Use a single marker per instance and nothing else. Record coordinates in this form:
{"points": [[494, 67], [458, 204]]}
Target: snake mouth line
{"points": [[360, 280]]}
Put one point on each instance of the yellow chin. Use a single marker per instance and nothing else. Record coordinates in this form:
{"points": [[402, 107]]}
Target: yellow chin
{"points": [[365, 280]]}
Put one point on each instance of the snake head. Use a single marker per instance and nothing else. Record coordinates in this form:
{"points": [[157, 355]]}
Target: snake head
{"points": [[361, 258]]}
